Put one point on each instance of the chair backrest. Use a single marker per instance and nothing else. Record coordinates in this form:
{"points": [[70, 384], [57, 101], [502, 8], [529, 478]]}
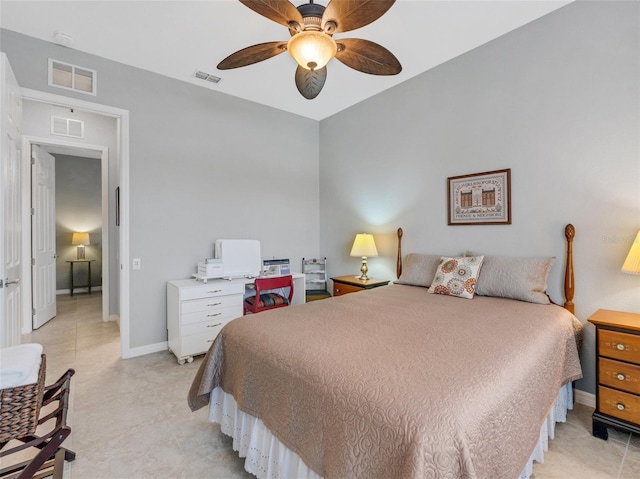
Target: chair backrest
{"points": [[266, 284]]}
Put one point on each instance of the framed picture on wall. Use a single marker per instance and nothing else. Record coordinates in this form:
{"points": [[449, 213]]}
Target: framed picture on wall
{"points": [[117, 206], [480, 198]]}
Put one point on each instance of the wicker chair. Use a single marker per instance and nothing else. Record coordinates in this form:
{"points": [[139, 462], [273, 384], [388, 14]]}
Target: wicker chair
{"points": [[20, 421]]}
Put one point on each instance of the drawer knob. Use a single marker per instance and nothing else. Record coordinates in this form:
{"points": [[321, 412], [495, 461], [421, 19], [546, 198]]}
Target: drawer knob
{"points": [[212, 315], [621, 376], [214, 304], [620, 347], [620, 406], [214, 325], [214, 291]]}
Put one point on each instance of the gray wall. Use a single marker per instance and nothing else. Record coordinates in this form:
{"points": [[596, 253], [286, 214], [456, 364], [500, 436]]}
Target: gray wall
{"points": [[203, 166], [557, 101], [78, 208], [99, 130]]}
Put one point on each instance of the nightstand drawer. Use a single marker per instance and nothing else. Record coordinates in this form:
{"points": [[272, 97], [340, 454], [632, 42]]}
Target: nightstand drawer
{"points": [[341, 288], [618, 404], [619, 375], [614, 344]]}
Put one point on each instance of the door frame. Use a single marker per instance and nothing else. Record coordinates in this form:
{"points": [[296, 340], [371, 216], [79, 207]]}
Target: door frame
{"points": [[27, 142], [122, 117]]}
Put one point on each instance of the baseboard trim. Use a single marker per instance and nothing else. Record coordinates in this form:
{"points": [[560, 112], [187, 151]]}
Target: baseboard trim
{"points": [[150, 348], [585, 398], [115, 317], [68, 291]]}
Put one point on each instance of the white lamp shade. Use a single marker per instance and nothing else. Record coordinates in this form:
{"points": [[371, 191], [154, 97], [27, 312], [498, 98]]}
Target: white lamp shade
{"points": [[364, 245], [80, 239], [632, 263]]}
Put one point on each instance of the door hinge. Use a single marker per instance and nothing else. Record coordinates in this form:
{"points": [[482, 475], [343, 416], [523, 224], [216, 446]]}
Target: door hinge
{"points": [[33, 261], [33, 211], [33, 160], [33, 311]]}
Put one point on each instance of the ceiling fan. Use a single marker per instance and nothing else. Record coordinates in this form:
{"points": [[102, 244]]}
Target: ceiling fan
{"points": [[312, 45]]}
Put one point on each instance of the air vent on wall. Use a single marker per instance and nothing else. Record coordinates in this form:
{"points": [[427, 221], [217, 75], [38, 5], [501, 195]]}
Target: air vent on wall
{"points": [[72, 77], [67, 127], [207, 77]]}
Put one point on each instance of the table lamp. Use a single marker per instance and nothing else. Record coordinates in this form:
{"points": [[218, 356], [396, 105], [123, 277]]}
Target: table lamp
{"points": [[82, 240], [364, 246], [632, 263]]}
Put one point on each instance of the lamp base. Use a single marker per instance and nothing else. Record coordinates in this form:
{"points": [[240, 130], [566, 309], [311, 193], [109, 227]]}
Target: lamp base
{"points": [[364, 269], [80, 252]]}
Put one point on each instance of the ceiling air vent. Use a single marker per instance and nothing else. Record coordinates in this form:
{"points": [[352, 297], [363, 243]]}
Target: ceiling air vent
{"points": [[207, 77], [72, 77], [67, 127]]}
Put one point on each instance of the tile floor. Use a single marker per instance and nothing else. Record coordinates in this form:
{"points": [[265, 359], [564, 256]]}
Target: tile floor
{"points": [[130, 419]]}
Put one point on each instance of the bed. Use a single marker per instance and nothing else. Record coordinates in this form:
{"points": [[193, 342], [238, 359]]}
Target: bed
{"points": [[397, 382]]}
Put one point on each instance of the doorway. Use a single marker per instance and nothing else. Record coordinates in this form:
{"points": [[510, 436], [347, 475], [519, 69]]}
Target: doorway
{"points": [[80, 210], [119, 178]]}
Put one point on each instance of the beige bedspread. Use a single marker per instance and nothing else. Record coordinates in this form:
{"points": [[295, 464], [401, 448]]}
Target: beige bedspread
{"points": [[394, 382]]}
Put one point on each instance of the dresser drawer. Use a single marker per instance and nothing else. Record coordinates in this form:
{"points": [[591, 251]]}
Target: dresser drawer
{"points": [[624, 406], [205, 328], [341, 288], [217, 314], [614, 344], [217, 302], [619, 375], [211, 291], [198, 343]]}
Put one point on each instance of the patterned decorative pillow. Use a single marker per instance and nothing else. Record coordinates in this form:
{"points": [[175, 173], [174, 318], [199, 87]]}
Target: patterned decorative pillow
{"points": [[457, 276], [268, 299]]}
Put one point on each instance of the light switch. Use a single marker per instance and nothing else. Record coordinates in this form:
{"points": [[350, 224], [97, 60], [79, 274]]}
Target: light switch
{"points": [[137, 263]]}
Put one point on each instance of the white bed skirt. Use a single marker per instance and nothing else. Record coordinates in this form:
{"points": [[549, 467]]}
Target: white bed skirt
{"points": [[267, 458]]}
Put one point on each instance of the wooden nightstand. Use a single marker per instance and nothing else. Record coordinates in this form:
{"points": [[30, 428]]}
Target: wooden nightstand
{"points": [[617, 372], [351, 284]]}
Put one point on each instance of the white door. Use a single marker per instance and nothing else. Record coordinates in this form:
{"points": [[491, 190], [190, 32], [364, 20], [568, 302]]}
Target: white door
{"points": [[43, 235], [10, 207]]}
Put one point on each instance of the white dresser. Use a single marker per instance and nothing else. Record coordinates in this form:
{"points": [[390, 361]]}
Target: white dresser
{"points": [[196, 313]]}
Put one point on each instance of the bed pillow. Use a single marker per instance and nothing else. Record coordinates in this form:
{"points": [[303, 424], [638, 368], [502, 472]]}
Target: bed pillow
{"points": [[419, 269], [457, 276], [524, 279]]}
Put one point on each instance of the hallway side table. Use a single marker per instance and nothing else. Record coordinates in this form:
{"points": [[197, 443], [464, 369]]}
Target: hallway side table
{"points": [[88, 285]]}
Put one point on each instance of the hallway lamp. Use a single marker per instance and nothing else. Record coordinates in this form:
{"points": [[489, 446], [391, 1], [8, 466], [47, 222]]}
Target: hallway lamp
{"points": [[81, 240], [364, 246], [632, 263]]}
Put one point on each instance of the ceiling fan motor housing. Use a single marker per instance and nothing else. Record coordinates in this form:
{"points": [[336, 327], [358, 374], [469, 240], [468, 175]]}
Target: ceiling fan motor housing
{"points": [[311, 10]]}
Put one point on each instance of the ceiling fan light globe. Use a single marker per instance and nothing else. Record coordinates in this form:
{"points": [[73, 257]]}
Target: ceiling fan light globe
{"points": [[312, 49]]}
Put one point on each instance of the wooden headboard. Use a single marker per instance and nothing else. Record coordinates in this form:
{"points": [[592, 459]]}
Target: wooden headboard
{"points": [[569, 285]]}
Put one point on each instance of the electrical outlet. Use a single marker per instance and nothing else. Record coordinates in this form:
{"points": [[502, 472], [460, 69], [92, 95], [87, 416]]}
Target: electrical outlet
{"points": [[136, 263]]}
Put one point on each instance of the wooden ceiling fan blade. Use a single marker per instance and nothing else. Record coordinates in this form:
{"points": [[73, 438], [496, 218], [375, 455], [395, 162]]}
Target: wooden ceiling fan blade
{"points": [[367, 57], [310, 82], [280, 11], [351, 14], [252, 54]]}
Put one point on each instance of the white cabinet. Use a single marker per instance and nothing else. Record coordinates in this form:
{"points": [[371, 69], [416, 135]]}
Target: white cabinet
{"points": [[196, 313]]}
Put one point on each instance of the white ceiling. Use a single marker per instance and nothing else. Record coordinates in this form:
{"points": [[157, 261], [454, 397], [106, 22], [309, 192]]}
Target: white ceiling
{"points": [[176, 38]]}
